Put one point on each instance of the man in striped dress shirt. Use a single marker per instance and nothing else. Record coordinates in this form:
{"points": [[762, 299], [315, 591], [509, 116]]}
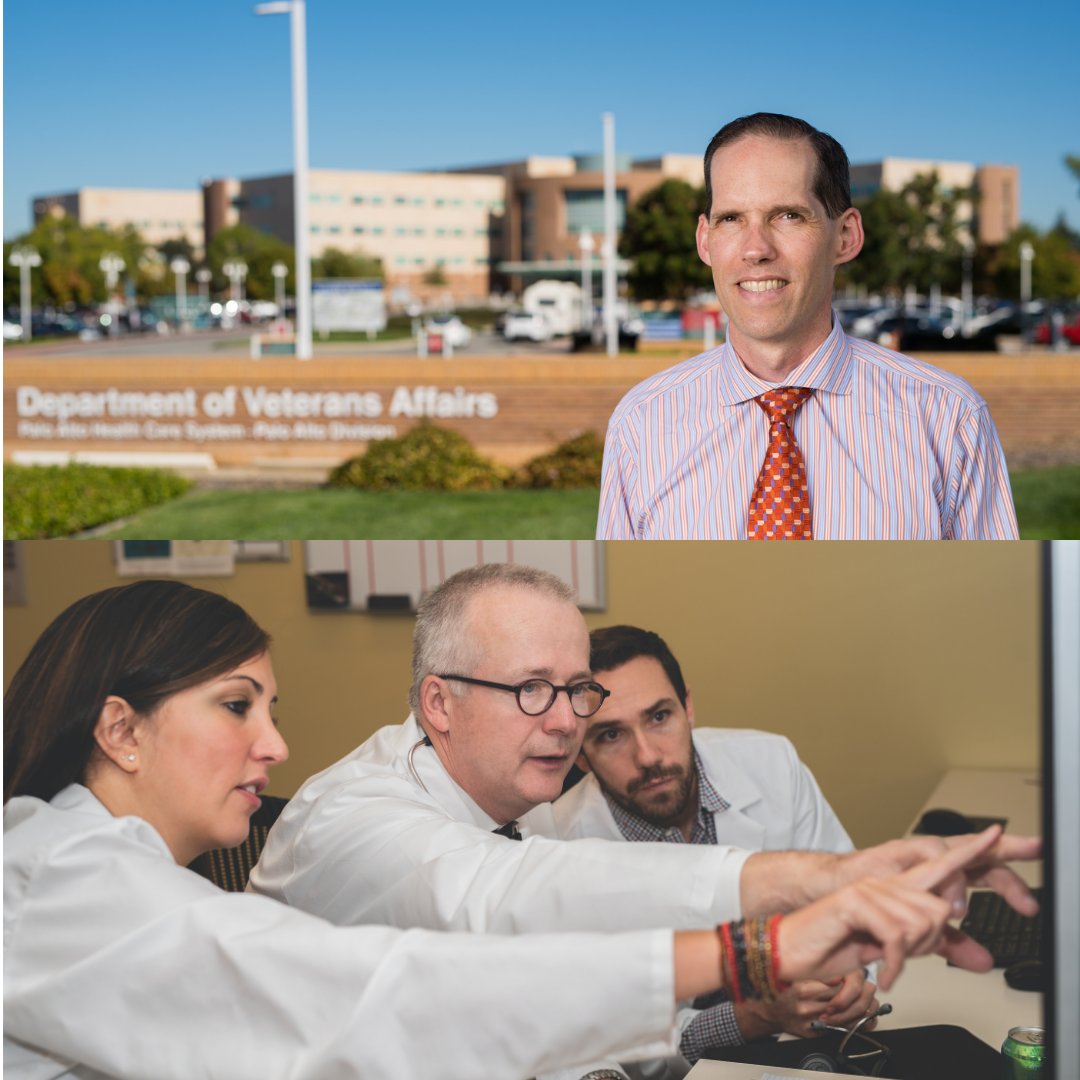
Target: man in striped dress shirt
{"points": [[885, 446]]}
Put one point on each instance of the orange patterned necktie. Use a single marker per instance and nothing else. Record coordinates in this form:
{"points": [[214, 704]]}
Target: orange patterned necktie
{"points": [[780, 505]]}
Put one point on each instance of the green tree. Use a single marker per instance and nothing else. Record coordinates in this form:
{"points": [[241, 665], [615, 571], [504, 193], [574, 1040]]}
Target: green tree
{"points": [[1055, 269], [660, 238], [1072, 163], [914, 236], [70, 274], [335, 263], [258, 249]]}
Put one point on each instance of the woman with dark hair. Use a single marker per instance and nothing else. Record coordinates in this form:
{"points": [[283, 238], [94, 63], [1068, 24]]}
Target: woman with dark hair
{"points": [[138, 734]]}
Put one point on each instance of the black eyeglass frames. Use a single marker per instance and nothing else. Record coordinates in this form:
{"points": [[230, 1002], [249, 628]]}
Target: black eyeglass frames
{"points": [[536, 696]]}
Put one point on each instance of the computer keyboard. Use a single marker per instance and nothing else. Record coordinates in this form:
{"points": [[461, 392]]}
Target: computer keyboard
{"points": [[1008, 935]]}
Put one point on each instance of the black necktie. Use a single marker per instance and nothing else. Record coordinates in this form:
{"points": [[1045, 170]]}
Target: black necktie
{"points": [[510, 829]]}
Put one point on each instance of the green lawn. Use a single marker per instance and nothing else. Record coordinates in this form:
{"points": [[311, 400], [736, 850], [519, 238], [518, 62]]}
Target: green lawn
{"points": [[343, 514], [1047, 502]]}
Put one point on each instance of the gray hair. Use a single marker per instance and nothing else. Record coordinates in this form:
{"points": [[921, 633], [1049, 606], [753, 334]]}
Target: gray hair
{"points": [[441, 639]]}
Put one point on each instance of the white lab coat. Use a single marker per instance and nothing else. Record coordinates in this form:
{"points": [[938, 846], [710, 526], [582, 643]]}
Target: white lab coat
{"points": [[372, 840], [119, 963], [776, 804]]}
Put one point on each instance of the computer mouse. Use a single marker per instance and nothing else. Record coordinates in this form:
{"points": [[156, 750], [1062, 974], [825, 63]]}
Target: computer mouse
{"points": [[941, 822], [1026, 975]]}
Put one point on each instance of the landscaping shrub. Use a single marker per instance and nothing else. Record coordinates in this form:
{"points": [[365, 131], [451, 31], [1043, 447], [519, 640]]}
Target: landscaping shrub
{"points": [[44, 501], [426, 458], [572, 464]]}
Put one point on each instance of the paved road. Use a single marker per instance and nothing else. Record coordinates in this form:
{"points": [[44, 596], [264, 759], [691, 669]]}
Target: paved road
{"points": [[234, 342]]}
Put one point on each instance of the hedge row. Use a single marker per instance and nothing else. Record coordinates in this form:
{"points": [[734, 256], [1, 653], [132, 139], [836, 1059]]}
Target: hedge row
{"points": [[41, 502], [430, 458]]}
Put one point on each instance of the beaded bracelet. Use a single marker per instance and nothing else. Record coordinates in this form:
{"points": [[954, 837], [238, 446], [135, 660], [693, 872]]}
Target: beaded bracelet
{"points": [[750, 959]]}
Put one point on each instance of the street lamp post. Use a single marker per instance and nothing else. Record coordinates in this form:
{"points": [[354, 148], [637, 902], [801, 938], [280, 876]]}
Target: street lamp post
{"points": [[180, 266], [611, 327], [967, 299], [25, 258], [1027, 254], [588, 246], [203, 277], [111, 266], [295, 9], [235, 270], [280, 272]]}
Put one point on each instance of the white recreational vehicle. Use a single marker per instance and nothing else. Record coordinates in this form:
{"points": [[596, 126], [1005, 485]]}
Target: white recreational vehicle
{"points": [[558, 301]]}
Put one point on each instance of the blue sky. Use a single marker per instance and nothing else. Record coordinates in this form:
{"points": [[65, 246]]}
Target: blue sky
{"points": [[131, 93]]}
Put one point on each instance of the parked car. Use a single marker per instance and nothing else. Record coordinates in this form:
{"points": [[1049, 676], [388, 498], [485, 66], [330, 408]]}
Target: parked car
{"points": [[908, 333], [1068, 330], [12, 331], [522, 325], [451, 328]]}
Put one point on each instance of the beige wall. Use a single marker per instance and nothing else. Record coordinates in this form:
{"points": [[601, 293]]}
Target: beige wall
{"points": [[886, 664]]}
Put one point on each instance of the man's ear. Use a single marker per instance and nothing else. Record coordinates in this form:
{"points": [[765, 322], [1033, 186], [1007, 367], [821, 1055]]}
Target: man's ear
{"points": [[435, 704], [689, 707], [582, 762], [703, 240], [851, 236], [116, 735]]}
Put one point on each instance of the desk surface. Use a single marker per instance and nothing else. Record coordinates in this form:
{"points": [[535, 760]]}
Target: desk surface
{"points": [[929, 991]]}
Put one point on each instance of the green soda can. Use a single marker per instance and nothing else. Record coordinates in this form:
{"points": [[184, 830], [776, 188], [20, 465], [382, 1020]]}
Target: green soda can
{"points": [[1022, 1054]]}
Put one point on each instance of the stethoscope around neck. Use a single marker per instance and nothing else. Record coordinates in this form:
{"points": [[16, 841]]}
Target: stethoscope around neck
{"points": [[425, 741]]}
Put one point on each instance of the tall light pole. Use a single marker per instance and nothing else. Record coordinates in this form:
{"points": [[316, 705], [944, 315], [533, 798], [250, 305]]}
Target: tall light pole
{"points": [[180, 266], [1027, 254], [588, 246], [295, 8], [967, 298], [25, 258], [280, 272], [235, 270], [111, 266], [611, 326], [203, 277]]}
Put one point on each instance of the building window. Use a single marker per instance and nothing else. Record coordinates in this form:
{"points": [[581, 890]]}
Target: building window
{"points": [[400, 231], [400, 200], [334, 229], [377, 200], [358, 199], [585, 210], [418, 201], [418, 232], [359, 229], [377, 230]]}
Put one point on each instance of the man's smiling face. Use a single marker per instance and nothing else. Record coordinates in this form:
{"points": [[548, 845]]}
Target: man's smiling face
{"points": [[772, 247]]}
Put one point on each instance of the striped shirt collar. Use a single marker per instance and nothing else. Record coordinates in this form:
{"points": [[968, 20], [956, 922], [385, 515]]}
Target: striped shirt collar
{"points": [[710, 802], [828, 367]]}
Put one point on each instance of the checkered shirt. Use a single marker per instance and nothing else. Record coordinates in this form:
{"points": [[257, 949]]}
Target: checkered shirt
{"points": [[715, 1024]]}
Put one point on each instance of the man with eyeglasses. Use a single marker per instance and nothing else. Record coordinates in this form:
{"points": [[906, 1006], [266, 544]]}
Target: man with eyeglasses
{"points": [[411, 828], [653, 776], [415, 827]]}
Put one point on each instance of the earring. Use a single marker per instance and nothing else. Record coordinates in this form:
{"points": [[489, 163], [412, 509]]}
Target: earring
{"points": [[131, 757]]}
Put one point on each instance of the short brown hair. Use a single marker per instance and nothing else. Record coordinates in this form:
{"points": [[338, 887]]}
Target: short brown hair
{"points": [[832, 177]]}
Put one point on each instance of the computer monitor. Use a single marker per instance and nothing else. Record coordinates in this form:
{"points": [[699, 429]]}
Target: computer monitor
{"points": [[1061, 806]]}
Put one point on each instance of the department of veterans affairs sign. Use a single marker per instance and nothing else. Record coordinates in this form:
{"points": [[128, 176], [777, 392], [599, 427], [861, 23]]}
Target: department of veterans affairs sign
{"points": [[237, 413]]}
